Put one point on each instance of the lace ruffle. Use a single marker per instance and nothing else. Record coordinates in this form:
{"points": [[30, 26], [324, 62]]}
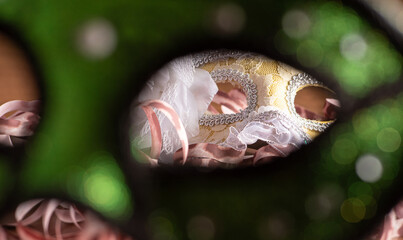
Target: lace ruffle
{"points": [[269, 125]]}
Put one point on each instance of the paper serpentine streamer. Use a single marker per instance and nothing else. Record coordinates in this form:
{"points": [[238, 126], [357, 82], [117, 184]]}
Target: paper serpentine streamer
{"points": [[52, 219], [18, 118]]}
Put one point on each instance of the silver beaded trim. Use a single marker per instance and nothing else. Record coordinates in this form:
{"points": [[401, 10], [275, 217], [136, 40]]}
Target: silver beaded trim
{"points": [[249, 88], [298, 81], [215, 55]]}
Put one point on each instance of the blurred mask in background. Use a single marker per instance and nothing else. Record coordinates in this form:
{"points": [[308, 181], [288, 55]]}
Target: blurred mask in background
{"points": [[19, 95]]}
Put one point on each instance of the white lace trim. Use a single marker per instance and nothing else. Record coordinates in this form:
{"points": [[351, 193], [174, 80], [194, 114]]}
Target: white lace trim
{"points": [[270, 125]]}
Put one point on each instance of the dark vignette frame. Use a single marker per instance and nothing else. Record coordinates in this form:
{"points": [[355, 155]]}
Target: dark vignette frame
{"points": [[142, 175], [139, 173]]}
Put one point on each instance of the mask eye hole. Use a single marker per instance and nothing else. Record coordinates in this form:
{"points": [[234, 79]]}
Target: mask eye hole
{"points": [[316, 103], [229, 99]]}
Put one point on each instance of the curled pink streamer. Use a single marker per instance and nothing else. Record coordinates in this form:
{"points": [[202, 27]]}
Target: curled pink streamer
{"points": [[49, 210], [173, 118], [68, 215], [75, 219], [20, 105], [211, 151], [213, 155], [271, 151], [19, 124], [58, 229], [27, 233], [25, 207], [65, 217], [392, 225], [155, 132], [37, 214], [205, 154]]}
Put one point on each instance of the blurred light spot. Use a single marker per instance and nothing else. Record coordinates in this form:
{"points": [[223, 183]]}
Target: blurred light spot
{"points": [[363, 191], [230, 18], [318, 206], [344, 151], [353, 210], [347, 39], [370, 205], [161, 227], [365, 125], [388, 140], [104, 188], [99, 188], [278, 226], [369, 168], [200, 228], [353, 46], [310, 53], [352, 76], [296, 23], [96, 39], [333, 192]]}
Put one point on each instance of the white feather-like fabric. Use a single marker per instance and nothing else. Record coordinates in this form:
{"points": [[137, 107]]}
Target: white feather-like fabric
{"points": [[188, 90], [268, 124]]}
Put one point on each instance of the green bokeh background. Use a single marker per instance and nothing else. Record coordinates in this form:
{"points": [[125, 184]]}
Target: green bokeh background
{"points": [[78, 152]]}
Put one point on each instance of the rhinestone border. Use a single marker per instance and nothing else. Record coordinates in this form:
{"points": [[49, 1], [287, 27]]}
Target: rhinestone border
{"points": [[249, 88], [202, 58]]}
